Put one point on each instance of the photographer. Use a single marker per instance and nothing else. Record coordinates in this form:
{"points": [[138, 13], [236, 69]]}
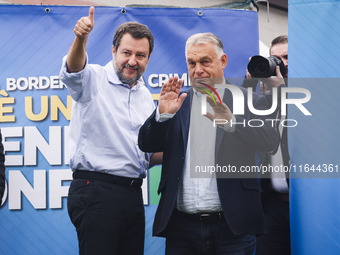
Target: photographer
{"points": [[275, 196]]}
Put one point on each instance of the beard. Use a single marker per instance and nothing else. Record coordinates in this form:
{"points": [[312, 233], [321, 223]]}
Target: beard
{"points": [[122, 77]]}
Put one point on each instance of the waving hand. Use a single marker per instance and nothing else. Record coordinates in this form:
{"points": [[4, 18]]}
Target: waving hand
{"points": [[169, 100]]}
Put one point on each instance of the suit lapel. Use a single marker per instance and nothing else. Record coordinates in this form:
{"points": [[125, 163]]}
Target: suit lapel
{"points": [[184, 116]]}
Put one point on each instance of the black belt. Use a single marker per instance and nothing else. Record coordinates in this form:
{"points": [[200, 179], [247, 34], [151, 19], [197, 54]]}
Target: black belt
{"points": [[104, 177], [205, 217]]}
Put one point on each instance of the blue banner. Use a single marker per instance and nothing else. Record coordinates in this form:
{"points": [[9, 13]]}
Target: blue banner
{"points": [[35, 106], [314, 58]]}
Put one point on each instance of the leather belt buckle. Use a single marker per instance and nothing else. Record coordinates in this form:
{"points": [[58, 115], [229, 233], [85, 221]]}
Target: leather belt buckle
{"points": [[204, 217], [211, 217]]}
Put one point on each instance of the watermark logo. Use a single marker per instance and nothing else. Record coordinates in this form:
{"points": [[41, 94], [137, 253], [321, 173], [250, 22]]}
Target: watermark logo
{"points": [[208, 92], [239, 105]]}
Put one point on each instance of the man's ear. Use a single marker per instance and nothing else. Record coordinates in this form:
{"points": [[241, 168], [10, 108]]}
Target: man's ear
{"points": [[224, 60]]}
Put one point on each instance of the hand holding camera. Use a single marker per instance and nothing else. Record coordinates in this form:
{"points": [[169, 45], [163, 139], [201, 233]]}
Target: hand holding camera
{"points": [[269, 70], [261, 67]]}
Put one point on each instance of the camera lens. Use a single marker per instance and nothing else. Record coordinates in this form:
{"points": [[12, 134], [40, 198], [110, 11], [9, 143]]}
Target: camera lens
{"points": [[261, 67]]}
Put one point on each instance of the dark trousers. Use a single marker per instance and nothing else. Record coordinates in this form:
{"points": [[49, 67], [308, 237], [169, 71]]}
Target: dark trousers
{"points": [[193, 237], [109, 218], [277, 239]]}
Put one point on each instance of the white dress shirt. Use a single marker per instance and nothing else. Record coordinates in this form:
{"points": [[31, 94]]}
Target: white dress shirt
{"points": [[198, 192], [105, 121]]}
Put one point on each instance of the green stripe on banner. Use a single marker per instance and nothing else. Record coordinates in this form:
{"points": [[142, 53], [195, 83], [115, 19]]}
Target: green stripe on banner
{"points": [[154, 177]]}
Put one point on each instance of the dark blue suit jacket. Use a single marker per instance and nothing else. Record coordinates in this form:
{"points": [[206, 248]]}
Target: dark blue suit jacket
{"points": [[240, 198]]}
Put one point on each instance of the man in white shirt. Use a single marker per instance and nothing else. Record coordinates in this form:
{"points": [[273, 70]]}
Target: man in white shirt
{"points": [[110, 104]]}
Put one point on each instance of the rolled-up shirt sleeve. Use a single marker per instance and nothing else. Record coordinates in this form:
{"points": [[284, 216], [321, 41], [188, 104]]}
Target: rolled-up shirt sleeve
{"points": [[78, 83]]}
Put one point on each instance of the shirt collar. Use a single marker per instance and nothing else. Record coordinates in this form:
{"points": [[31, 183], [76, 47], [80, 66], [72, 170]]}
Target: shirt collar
{"points": [[113, 77]]}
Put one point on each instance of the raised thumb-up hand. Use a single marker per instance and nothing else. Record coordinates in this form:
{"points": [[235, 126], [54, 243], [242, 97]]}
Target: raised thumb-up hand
{"points": [[85, 25]]}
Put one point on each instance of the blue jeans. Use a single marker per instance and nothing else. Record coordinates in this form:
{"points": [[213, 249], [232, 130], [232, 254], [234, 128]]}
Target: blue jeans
{"points": [[192, 237]]}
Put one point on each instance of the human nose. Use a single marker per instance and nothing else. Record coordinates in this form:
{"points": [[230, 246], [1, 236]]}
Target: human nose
{"points": [[198, 70], [132, 60]]}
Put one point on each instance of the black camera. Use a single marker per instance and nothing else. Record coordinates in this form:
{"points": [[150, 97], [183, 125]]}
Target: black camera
{"points": [[261, 67]]}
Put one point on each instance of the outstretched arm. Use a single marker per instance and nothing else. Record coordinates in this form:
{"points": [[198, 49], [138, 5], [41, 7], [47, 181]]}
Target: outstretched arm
{"points": [[76, 58]]}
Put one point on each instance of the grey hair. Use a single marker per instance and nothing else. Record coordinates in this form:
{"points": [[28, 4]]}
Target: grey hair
{"points": [[205, 38]]}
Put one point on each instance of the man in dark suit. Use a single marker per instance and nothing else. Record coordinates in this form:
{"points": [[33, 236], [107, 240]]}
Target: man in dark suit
{"points": [[215, 214]]}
